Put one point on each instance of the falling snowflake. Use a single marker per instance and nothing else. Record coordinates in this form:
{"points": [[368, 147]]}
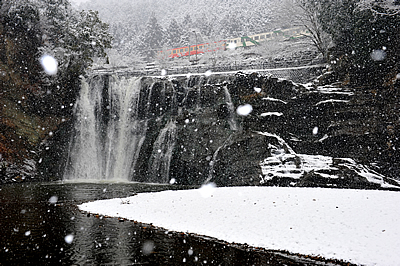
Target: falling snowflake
{"points": [[69, 238], [53, 199], [378, 55], [49, 64], [244, 110], [148, 247], [232, 46], [207, 190]]}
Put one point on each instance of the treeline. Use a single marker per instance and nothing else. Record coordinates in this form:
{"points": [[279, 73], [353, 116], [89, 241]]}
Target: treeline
{"points": [[358, 38], [33, 28], [140, 28]]}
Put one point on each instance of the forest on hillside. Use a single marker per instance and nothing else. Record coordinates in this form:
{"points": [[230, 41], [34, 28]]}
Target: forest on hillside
{"points": [[352, 36], [141, 28]]}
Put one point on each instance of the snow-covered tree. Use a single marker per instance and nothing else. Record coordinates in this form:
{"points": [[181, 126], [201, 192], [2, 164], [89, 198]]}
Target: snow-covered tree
{"points": [[51, 28], [365, 39], [306, 13], [186, 26], [20, 39], [73, 38], [174, 34], [212, 19], [154, 38]]}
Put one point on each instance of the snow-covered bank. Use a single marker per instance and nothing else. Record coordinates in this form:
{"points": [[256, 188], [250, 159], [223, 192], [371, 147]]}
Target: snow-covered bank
{"points": [[359, 226]]}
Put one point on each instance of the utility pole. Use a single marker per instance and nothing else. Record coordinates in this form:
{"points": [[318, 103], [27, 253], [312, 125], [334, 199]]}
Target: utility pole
{"points": [[189, 48], [195, 48], [195, 35]]}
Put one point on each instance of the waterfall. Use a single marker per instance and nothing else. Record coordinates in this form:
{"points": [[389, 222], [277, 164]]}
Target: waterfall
{"points": [[108, 132], [160, 159], [84, 150], [214, 158], [231, 109], [126, 128]]}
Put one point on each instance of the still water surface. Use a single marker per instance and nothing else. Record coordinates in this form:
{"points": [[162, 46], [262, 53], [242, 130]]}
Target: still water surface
{"points": [[41, 225]]}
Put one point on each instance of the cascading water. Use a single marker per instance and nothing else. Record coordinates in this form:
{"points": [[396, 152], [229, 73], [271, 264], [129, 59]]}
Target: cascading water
{"points": [[214, 158], [233, 124], [108, 131], [231, 109], [140, 129], [160, 159]]}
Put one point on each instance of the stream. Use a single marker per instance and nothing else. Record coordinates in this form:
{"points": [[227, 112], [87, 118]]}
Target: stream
{"points": [[41, 225]]}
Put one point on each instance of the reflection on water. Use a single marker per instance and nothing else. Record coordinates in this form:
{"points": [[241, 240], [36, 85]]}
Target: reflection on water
{"points": [[41, 225], [36, 219]]}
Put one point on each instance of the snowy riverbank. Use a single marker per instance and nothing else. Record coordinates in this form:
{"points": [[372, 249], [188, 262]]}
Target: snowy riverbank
{"points": [[359, 226]]}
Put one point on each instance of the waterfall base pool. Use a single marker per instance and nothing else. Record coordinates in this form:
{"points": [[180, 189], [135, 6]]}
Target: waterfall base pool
{"points": [[41, 225]]}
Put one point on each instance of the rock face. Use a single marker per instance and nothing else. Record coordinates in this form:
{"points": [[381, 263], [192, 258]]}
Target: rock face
{"points": [[30, 110], [187, 130]]}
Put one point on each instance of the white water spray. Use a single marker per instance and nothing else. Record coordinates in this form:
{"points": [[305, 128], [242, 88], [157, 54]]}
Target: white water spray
{"points": [[231, 108], [108, 137], [163, 147]]}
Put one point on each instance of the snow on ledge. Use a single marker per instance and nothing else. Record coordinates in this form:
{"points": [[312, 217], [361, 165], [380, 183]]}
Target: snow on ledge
{"points": [[359, 226], [271, 114], [331, 101]]}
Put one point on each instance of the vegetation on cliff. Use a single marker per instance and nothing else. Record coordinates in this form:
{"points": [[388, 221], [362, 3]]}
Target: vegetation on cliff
{"points": [[360, 39], [33, 104]]}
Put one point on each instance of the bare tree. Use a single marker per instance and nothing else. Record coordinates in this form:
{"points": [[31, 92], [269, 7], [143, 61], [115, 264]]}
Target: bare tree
{"points": [[306, 13]]}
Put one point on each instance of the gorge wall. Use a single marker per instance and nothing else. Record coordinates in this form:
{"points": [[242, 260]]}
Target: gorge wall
{"points": [[186, 130]]}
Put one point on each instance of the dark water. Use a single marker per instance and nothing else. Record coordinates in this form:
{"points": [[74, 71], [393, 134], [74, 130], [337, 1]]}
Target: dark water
{"points": [[34, 229]]}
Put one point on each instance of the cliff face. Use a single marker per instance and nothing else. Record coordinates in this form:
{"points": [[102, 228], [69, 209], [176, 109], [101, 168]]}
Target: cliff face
{"points": [[295, 135], [187, 130]]}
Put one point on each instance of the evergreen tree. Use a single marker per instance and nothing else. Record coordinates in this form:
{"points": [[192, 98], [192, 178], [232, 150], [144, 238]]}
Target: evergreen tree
{"points": [[50, 27], [20, 40], [205, 26], [73, 38], [230, 26], [174, 34], [55, 13], [187, 22], [154, 38], [187, 27]]}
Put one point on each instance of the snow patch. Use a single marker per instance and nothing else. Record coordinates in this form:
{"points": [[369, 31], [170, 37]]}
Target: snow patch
{"points": [[331, 101], [358, 226], [271, 114], [273, 100]]}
